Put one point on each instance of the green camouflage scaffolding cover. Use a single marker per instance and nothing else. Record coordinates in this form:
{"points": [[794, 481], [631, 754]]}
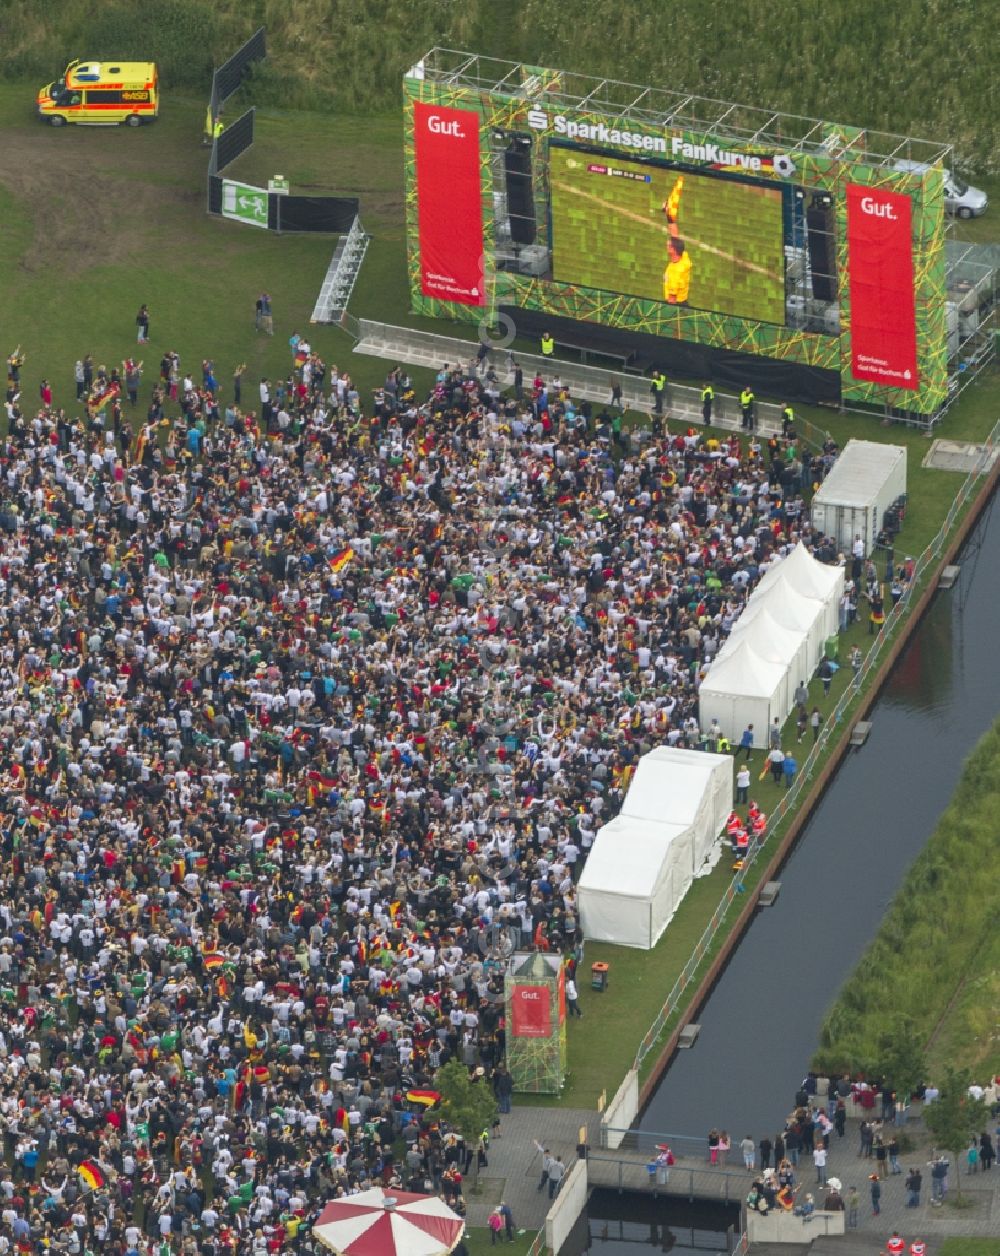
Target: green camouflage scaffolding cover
{"points": [[830, 167]]}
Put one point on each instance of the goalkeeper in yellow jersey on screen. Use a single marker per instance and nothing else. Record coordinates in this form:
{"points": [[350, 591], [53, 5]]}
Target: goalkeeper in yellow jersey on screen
{"points": [[677, 275]]}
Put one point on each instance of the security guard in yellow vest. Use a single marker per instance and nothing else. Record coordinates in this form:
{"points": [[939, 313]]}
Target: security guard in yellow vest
{"points": [[787, 419], [746, 408], [658, 385], [707, 398], [548, 345], [218, 128]]}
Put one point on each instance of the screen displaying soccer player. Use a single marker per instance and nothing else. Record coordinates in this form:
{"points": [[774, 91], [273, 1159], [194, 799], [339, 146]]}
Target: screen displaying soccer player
{"points": [[645, 230]]}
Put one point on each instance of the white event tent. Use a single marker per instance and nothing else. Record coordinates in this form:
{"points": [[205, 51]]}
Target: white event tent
{"points": [[777, 642], [644, 860]]}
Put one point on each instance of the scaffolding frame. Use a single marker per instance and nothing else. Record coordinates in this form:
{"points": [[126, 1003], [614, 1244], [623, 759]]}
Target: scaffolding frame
{"points": [[660, 107]]}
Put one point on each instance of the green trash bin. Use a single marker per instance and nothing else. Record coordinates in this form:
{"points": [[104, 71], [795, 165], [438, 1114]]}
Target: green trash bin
{"points": [[833, 649]]}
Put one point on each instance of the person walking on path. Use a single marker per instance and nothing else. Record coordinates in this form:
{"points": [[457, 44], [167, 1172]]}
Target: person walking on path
{"points": [[713, 1146], [508, 1220], [765, 1152], [986, 1152], [819, 1160], [749, 1149], [914, 1181], [852, 1208], [746, 742], [503, 1088], [743, 785], [547, 1163], [876, 1193], [557, 1171]]}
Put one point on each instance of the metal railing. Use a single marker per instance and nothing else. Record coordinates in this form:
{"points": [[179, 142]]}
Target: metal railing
{"points": [[341, 275], [689, 1146], [591, 383], [538, 1244], [696, 1181], [894, 617]]}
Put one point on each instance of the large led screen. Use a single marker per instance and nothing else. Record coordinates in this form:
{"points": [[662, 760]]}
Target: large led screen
{"points": [[667, 235]]}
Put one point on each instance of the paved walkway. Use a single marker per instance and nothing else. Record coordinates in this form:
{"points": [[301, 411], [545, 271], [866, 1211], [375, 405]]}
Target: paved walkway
{"points": [[927, 1222], [515, 1168], [516, 1165]]}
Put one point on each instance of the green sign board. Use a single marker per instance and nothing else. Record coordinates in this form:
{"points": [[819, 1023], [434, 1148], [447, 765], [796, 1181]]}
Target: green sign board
{"points": [[244, 203]]}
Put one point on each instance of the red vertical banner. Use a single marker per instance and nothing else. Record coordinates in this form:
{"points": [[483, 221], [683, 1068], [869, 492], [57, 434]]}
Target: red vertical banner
{"points": [[562, 995], [449, 203], [880, 267], [532, 1015]]}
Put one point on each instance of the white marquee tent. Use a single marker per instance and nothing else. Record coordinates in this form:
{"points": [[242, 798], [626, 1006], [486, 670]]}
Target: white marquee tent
{"points": [[644, 860], [777, 642]]}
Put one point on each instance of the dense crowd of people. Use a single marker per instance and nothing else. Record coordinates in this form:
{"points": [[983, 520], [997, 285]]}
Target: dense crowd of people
{"points": [[311, 711]]}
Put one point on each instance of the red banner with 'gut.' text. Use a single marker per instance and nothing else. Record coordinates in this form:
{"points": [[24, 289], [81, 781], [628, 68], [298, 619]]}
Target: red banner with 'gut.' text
{"points": [[880, 265], [449, 203], [532, 1015]]}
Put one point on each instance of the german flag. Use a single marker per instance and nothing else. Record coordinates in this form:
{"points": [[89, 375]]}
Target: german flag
{"points": [[340, 560], [90, 1172], [426, 1098], [213, 959]]}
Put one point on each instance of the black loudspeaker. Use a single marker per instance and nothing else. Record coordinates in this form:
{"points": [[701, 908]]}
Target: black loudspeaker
{"points": [[520, 201], [821, 228]]}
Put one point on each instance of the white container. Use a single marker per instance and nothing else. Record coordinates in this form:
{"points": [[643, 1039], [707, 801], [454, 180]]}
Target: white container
{"points": [[852, 500]]}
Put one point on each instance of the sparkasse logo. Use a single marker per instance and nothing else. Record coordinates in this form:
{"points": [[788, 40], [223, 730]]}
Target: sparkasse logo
{"points": [[538, 119]]}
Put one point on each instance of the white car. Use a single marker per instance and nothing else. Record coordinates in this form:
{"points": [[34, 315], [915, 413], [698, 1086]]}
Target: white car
{"points": [[960, 198]]}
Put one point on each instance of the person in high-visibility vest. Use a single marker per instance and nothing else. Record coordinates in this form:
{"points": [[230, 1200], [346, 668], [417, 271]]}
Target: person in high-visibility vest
{"points": [[918, 1248], [217, 128], [746, 408], [209, 129], [707, 398], [787, 419], [658, 385], [548, 345]]}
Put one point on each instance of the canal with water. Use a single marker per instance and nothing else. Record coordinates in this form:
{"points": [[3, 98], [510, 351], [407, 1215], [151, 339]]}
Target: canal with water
{"points": [[616, 1225], [761, 1022]]}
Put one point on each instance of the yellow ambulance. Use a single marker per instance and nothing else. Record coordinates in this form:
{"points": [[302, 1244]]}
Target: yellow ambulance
{"points": [[102, 93]]}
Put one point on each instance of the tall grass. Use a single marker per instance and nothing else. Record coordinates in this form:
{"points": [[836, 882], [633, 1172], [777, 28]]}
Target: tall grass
{"points": [[921, 67], [936, 957]]}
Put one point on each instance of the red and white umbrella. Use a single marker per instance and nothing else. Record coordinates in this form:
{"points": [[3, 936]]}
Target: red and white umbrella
{"points": [[388, 1223]]}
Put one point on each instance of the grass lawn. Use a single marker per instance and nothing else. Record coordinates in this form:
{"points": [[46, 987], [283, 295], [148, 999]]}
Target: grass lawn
{"points": [[96, 222], [479, 1241], [970, 1247]]}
